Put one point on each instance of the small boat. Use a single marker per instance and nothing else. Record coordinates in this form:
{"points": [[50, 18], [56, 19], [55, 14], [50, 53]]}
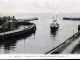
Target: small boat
{"points": [[54, 26], [35, 18]]}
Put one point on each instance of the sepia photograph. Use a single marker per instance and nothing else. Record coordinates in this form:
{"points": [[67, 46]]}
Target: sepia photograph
{"points": [[40, 27]]}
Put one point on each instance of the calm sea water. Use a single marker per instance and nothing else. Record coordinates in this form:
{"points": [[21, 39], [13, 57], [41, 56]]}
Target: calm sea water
{"points": [[42, 40]]}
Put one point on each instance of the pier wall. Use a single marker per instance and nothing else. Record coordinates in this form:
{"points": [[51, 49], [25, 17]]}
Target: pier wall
{"points": [[31, 28], [23, 23], [62, 46], [70, 18]]}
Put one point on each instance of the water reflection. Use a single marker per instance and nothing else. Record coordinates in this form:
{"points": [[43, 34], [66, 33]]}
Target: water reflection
{"points": [[54, 33], [10, 44]]}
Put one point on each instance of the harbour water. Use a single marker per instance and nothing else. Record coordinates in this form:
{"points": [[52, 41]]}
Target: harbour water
{"points": [[42, 40]]}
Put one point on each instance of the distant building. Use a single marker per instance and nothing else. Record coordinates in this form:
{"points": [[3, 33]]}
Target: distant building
{"points": [[9, 23]]}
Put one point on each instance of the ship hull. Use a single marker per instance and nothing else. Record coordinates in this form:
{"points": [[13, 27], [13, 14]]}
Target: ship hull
{"points": [[54, 28]]}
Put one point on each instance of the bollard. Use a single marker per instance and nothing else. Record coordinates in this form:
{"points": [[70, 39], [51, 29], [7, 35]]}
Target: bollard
{"points": [[73, 33], [78, 27]]}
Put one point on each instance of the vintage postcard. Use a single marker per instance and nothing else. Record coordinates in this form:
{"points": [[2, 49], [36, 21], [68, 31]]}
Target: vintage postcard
{"points": [[45, 27]]}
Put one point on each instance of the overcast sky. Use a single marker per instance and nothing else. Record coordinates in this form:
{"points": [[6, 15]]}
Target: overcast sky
{"points": [[55, 6]]}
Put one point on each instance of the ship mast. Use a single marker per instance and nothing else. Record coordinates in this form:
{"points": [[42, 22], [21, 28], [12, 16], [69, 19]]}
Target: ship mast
{"points": [[56, 17], [35, 15]]}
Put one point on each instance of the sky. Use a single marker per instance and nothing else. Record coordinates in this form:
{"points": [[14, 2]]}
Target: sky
{"points": [[41, 6]]}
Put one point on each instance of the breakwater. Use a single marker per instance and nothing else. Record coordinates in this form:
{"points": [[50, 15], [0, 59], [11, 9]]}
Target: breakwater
{"points": [[27, 28], [70, 18]]}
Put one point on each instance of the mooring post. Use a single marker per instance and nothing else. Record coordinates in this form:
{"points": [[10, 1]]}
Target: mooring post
{"points": [[73, 33]]}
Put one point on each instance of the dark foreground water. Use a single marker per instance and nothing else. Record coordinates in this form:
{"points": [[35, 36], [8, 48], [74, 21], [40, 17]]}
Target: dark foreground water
{"points": [[42, 40]]}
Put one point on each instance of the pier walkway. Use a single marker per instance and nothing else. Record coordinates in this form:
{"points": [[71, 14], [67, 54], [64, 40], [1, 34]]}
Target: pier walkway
{"points": [[21, 28], [65, 45], [69, 49]]}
